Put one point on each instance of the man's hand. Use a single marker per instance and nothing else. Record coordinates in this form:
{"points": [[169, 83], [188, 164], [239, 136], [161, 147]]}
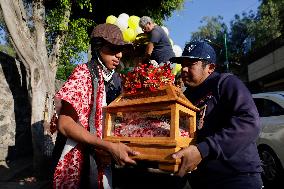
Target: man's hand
{"points": [[190, 156], [121, 153]]}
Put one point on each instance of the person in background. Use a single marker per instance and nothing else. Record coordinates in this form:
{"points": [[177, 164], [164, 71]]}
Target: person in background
{"points": [[159, 47], [225, 153], [80, 153]]}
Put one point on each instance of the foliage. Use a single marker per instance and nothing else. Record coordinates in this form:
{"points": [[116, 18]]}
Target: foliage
{"points": [[5, 45], [267, 25], [64, 70], [8, 50], [252, 31], [159, 10], [83, 16], [212, 30], [247, 32], [76, 38], [164, 10], [240, 37]]}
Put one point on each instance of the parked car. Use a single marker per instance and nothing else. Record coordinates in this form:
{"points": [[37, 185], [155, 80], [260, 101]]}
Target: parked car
{"points": [[270, 143]]}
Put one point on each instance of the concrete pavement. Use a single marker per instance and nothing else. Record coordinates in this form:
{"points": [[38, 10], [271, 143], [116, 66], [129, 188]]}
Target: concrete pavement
{"points": [[18, 174]]}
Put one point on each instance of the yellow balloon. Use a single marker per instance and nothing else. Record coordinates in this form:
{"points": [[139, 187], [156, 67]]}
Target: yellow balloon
{"points": [[176, 69], [133, 22], [129, 34], [171, 41], [111, 19]]}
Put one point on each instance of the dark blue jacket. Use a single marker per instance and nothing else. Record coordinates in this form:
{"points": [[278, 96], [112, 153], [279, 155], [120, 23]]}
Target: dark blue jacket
{"points": [[227, 137]]}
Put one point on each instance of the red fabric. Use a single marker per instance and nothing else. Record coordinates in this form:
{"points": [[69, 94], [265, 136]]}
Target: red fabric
{"points": [[99, 106], [78, 91]]}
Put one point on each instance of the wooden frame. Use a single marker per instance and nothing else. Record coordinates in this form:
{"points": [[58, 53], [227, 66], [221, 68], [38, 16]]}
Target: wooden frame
{"points": [[168, 100]]}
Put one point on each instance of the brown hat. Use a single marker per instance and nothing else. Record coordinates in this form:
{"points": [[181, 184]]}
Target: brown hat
{"points": [[109, 32]]}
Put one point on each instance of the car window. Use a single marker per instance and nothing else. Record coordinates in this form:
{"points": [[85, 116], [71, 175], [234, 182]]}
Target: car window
{"points": [[268, 108]]}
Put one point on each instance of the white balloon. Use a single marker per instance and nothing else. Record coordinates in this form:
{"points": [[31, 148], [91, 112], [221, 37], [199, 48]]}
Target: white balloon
{"points": [[165, 29], [138, 30], [122, 23], [123, 16], [177, 50]]}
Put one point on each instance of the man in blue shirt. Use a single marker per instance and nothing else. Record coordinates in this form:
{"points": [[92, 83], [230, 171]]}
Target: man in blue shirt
{"points": [[225, 153], [159, 47]]}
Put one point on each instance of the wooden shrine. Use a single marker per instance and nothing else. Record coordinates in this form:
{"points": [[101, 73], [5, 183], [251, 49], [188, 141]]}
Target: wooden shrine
{"points": [[155, 123]]}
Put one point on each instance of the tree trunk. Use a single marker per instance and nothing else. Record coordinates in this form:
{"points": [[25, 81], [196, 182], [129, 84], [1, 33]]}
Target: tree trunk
{"points": [[41, 69]]}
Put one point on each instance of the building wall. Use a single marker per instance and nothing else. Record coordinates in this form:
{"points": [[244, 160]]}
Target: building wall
{"points": [[267, 72], [266, 65]]}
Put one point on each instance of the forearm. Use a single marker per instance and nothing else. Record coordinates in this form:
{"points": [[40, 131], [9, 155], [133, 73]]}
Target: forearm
{"points": [[68, 127], [149, 49]]}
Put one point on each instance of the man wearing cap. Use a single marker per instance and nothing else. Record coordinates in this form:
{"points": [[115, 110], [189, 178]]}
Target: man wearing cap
{"points": [[80, 152], [159, 47], [225, 153]]}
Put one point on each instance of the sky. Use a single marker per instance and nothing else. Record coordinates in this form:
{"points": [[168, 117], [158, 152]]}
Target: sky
{"points": [[187, 20]]}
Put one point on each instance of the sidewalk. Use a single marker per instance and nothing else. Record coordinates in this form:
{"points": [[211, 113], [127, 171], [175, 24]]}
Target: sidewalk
{"points": [[19, 175]]}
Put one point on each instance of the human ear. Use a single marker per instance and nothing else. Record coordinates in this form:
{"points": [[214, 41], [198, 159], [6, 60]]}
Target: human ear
{"points": [[211, 68]]}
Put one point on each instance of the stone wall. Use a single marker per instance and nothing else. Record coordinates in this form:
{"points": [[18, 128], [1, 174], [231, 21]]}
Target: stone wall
{"points": [[15, 110]]}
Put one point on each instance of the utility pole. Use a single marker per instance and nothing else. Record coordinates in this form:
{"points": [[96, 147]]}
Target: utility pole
{"points": [[226, 63]]}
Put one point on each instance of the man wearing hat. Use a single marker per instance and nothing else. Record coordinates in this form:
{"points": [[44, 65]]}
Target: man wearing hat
{"points": [[91, 86], [225, 153]]}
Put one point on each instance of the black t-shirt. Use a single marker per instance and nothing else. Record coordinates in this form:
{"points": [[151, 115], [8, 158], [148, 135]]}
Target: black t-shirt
{"points": [[162, 51]]}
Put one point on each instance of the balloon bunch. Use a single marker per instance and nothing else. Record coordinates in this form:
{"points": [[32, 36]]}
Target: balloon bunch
{"points": [[129, 25]]}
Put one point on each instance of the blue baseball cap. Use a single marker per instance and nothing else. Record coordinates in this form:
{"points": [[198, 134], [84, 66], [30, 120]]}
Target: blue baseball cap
{"points": [[197, 50]]}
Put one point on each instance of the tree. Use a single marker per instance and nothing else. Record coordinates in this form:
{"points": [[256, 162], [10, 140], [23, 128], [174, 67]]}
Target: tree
{"points": [[213, 31], [248, 32], [240, 37], [251, 31], [46, 33], [267, 24]]}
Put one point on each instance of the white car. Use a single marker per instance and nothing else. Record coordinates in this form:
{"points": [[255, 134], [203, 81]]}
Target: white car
{"points": [[270, 143]]}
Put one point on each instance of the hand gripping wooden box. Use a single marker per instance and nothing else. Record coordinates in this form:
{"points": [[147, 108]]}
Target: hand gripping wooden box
{"points": [[155, 123]]}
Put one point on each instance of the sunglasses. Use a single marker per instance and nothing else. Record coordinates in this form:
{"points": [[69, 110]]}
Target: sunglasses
{"points": [[114, 48]]}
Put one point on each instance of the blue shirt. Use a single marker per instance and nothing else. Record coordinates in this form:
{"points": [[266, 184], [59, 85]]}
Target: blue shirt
{"points": [[162, 51]]}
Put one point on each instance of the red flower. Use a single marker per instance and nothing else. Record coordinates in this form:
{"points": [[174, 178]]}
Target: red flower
{"points": [[146, 77]]}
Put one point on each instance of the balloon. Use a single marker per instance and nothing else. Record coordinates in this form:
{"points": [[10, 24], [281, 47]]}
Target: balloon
{"points": [[138, 30], [176, 69], [123, 16], [133, 22], [111, 19], [165, 29], [121, 22], [171, 41], [128, 34], [177, 50]]}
